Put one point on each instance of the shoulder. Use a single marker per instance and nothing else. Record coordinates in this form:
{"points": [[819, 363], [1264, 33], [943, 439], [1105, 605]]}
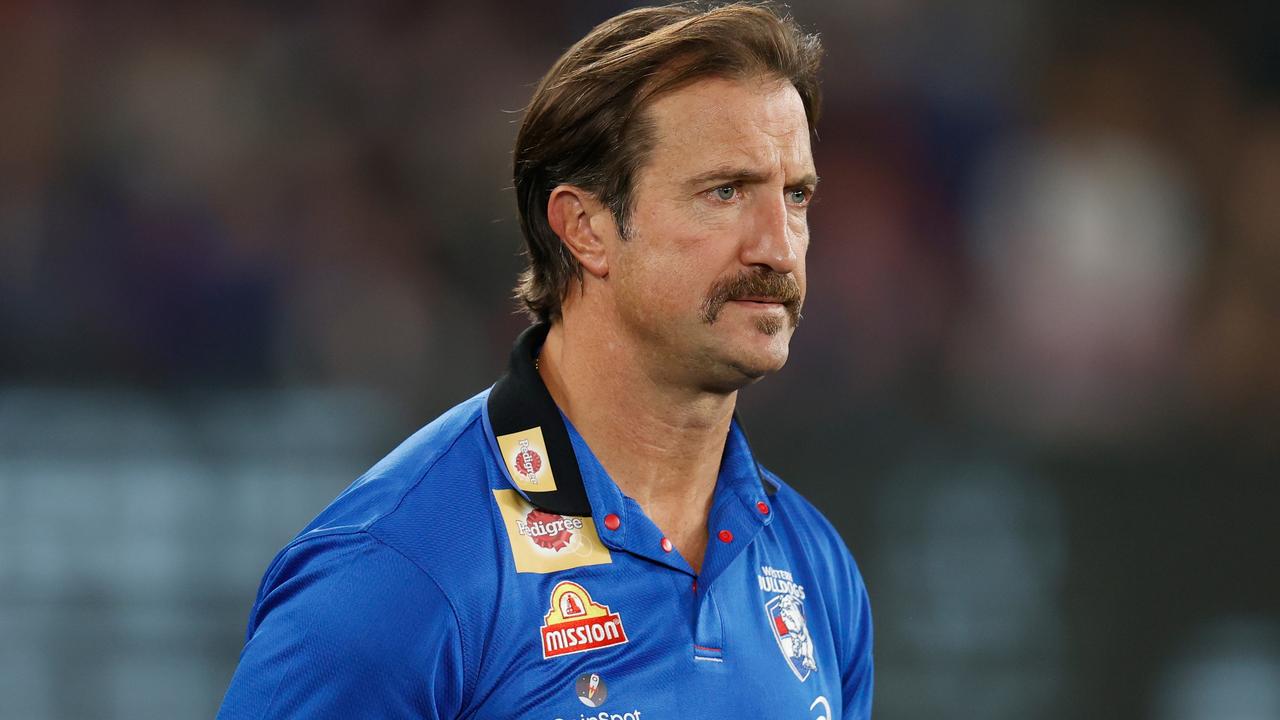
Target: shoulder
{"points": [[379, 492], [385, 568], [438, 478], [344, 625], [349, 582], [803, 522], [840, 587], [428, 503], [825, 556]]}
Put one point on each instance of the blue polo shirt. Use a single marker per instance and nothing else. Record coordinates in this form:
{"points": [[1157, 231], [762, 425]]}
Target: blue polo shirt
{"points": [[490, 568]]}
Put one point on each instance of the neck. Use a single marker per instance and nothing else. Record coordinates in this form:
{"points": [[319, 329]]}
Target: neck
{"points": [[660, 442]]}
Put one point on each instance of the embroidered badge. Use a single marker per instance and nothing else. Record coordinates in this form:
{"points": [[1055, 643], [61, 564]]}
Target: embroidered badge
{"points": [[591, 689], [525, 455], [542, 542], [576, 623], [784, 606]]}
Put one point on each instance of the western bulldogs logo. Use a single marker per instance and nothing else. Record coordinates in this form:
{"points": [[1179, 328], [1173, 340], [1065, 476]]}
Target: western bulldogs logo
{"points": [[786, 619]]}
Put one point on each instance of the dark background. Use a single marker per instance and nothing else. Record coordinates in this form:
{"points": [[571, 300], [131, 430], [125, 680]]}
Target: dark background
{"points": [[246, 248]]}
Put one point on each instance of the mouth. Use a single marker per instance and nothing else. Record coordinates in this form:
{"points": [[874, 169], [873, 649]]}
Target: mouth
{"points": [[758, 300]]}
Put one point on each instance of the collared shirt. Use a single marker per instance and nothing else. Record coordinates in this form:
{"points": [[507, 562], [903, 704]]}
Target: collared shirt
{"points": [[490, 568]]}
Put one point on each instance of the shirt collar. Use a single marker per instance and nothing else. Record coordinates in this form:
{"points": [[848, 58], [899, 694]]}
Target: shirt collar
{"points": [[534, 446]]}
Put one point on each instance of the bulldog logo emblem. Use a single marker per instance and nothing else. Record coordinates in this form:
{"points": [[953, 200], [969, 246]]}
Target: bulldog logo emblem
{"points": [[786, 619]]}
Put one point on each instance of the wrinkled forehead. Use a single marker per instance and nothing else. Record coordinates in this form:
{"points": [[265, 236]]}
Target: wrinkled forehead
{"points": [[757, 123]]}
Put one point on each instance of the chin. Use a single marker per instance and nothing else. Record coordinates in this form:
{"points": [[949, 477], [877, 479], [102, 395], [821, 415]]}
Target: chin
{"points": [[740, 349], [767, 342], [772, 362], [750, 362]]}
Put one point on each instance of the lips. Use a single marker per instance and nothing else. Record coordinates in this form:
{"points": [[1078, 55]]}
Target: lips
{"points": [[759, 303]]}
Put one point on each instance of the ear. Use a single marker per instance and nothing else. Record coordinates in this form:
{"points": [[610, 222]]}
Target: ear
{"points": [[580, 220]]}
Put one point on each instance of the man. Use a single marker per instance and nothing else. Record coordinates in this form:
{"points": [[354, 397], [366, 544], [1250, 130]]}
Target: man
{"points": [[591, 537]]}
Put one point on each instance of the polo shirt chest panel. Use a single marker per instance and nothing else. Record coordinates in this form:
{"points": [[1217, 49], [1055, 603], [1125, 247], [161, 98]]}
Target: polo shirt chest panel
{"points": [[755, 642], [597, 618], [610, 625]]}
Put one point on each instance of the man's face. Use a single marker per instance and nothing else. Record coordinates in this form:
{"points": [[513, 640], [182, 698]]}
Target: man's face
{"points": [[711, 277]]}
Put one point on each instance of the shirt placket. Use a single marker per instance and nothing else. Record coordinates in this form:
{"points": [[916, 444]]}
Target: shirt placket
{"points": [[740, 510]]}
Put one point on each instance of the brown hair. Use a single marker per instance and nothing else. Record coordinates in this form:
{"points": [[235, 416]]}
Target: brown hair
{"points": [[585, 125]]}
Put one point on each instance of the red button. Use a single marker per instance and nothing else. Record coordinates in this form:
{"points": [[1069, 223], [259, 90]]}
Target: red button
{"points": [[666, 545], [725, 536], [611, 521], [764, 509]]}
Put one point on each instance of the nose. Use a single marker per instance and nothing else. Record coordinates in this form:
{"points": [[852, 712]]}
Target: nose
{"points": [[774, 239]]}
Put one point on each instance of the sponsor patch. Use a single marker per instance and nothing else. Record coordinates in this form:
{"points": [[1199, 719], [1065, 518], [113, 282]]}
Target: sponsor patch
{"points": [[525, 455], [784, 606], [591, 689], [542, 542], [576, 623]]}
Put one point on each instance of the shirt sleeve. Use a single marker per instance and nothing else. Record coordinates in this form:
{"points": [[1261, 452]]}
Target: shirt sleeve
{"points": [[858, 674], [345, 627]]}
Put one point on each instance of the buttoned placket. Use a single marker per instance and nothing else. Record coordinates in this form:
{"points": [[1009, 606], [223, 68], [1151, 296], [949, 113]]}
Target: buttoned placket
{"points": [[741, 506], [734, 522]]}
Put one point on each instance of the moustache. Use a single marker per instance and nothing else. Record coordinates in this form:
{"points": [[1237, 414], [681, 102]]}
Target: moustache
{"points": [[758, 284]]}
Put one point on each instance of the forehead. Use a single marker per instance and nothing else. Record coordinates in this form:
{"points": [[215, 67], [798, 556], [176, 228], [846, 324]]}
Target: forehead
{"points": [[756, 123]]}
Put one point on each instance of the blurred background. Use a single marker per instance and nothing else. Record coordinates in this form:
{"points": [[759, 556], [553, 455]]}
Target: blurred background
{"points": [[246, 248]]}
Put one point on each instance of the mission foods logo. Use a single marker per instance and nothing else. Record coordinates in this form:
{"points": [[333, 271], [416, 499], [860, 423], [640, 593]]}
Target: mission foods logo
{"points": [[576, 623], [543, 542], [525, 455]]}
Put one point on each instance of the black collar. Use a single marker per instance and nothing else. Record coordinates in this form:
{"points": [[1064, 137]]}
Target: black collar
{"points": [[519, 402]]}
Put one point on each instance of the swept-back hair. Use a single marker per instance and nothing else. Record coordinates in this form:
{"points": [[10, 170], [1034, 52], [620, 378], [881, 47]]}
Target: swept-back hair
{"points": [[586, 124]]}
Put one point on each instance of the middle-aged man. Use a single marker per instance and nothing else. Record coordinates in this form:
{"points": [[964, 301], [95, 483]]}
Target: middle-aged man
{"points": [[591, 537]]}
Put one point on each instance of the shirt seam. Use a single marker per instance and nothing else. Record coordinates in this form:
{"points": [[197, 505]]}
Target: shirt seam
{"points": [[469, 683], [275, 691], [292, 669], [368, 525], [468, 687], [367, 529], [422, 475]]}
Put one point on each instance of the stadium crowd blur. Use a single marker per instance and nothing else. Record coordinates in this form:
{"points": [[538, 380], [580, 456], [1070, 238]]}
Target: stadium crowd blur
{"points": [[245, 248]]}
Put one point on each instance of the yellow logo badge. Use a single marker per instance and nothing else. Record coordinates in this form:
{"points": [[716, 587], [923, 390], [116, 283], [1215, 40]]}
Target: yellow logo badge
{"points": [[576, 623], [525, 454], [542, 542]]}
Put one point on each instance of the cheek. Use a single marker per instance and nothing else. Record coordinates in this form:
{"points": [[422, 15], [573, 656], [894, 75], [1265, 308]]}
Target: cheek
{"points": [[798, 229], [659, 280], [802, 250], [670, 261]]}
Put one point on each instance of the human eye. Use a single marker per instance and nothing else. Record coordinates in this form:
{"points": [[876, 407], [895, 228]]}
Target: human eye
{"points": [[725, 192], [799, 195]]}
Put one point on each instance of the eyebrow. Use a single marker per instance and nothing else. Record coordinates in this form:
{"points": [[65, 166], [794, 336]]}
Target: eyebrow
{"points": [[729, 174]]}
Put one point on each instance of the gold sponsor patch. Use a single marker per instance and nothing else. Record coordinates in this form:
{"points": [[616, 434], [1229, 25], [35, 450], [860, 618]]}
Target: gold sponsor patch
{"points": [[542, 542], [525, 455], [576, 623]]}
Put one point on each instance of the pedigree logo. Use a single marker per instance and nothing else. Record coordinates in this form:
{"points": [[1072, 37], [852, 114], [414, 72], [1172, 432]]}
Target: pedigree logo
{"points": [[576, 623], [543, 542], [525, 453], [553, 532]]}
